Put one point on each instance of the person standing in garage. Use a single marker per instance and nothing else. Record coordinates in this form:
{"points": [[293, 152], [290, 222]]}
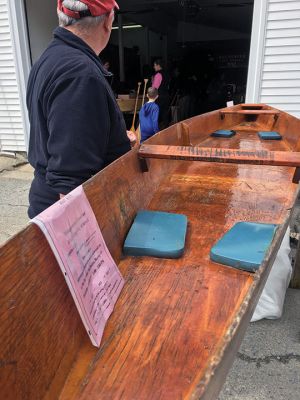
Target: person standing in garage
{"points": [[160, 81]]}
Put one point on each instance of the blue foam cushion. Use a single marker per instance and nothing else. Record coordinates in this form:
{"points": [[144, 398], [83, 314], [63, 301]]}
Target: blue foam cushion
{"points": [[269, 135], [223, 133], [157, 234], [244, 245]]}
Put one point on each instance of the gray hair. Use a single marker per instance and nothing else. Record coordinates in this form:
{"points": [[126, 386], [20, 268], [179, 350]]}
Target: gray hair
{"points": [[82, 23]]}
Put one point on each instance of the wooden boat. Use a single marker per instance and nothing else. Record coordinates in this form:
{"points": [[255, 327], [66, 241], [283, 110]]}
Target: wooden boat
{"points": [[178, 323]]}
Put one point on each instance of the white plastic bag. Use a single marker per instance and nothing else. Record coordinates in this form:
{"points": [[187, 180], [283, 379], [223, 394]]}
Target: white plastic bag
{"points": [[270, 303]]}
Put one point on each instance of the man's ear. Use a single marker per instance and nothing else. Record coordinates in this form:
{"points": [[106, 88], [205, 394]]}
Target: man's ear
{"points": [[109, 21]]}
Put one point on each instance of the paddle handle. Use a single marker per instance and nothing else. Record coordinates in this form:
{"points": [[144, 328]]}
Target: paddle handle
{"points": [[145, 87], [135, 108]]}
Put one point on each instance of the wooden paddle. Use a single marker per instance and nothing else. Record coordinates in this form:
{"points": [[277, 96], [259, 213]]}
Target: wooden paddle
{"points": [[138, 130], [135, 108], [145, 87]]}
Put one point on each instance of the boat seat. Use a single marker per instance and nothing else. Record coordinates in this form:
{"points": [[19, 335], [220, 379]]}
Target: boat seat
{"points": [[156, 234], [269, 135], [244, 246], [224, 133], [250, 112], [213, 154]]}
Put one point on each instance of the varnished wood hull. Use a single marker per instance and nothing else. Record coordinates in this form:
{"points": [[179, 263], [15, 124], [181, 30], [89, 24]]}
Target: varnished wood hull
{"points": [[178, 323]]}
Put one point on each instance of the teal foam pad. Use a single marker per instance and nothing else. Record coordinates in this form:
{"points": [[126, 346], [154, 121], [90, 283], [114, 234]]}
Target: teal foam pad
{"points": [[156, 234], [269, 135], [223, 133], [244, 245]]}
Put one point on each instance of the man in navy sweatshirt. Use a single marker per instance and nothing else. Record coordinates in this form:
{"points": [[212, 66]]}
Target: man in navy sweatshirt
{"points": [[76, 126], [148, 115]]}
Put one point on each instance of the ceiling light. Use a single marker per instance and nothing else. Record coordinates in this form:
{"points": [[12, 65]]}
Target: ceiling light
{"points": [[128, 27]]}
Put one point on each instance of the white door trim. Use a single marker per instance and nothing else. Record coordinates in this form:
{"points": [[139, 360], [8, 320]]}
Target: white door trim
{"points": [[21, 49], [257, 49]]}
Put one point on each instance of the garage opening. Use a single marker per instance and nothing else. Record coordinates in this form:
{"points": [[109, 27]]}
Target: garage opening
{"points": [[204, 46]]}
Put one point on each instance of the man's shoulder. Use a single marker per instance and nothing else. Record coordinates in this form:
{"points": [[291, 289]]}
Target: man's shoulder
{"points": [[65, 58], [57, 65]]}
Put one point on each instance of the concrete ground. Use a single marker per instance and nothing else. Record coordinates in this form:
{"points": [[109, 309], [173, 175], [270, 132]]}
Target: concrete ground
{"points": [[15, 178], [267, 365]]}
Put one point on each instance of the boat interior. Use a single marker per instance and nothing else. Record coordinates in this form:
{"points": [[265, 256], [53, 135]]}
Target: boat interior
{"points": [[178, 323], [246, 120]]}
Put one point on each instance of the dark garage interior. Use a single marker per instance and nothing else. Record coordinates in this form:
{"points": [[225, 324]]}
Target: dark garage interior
{"points": [[204, 46]]}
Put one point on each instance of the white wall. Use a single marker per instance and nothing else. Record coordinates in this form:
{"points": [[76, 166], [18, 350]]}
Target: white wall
{"points": [[274, 66], [14, 68], [42, 20]]}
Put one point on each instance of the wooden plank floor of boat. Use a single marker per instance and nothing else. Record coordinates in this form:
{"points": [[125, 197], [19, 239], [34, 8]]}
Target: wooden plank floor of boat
{"points": [[172, 317]]}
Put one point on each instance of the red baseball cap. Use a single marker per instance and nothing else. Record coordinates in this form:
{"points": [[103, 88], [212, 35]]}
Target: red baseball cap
{"points": [[95, 8]]}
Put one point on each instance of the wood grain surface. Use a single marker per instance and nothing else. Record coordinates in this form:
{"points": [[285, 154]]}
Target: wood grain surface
{"points": [[255, 112], [178, 323], [170, 324], [215, 154]]}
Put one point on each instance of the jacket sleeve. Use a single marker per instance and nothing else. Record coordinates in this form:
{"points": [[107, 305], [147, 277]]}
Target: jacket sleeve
{"points": [[79, 124], [154, 117]]}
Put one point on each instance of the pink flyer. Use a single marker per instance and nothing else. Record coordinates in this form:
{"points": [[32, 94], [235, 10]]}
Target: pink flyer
{"points": [[92, 276]]}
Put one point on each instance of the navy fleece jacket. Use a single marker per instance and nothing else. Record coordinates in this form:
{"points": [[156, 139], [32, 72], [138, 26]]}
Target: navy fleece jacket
{"points": [[148, 117], [76, 126]]}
